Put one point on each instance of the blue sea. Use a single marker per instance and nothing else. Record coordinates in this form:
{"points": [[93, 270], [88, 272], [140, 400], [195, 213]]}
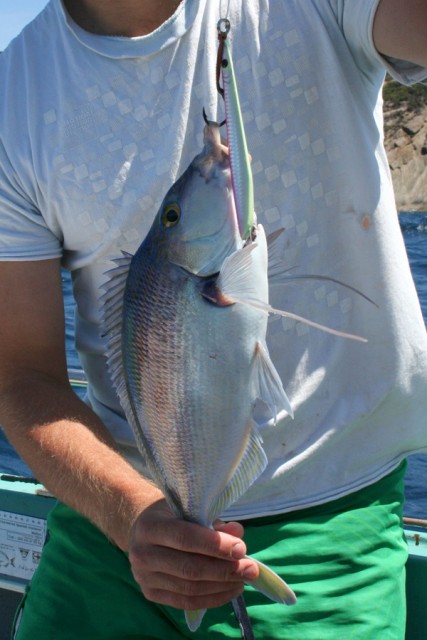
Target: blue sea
{"points": [[414, 229]]}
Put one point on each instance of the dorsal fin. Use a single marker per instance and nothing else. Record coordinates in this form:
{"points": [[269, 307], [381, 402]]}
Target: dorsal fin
{"points": [[112, 329], [111, 311]]}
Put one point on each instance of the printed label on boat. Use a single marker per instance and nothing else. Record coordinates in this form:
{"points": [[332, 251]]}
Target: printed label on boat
{"points": [[21, 543]]}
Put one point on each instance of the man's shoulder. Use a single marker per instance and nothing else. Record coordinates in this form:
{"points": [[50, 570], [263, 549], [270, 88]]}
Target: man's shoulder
{"points": [[34, 45]]}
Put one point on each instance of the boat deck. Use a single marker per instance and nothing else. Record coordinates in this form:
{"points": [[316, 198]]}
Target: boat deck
{"points": [[25, 504]]}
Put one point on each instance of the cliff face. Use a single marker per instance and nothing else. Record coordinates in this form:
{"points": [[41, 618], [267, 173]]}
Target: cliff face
{"points": [[405, 126]]}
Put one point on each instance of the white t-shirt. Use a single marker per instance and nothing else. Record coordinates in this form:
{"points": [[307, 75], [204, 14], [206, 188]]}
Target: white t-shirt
{"points": [[95, 129]]}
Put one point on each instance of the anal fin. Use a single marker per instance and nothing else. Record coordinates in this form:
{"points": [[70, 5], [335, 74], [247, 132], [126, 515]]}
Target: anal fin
{"points": [[269, 386], [252, 463]]}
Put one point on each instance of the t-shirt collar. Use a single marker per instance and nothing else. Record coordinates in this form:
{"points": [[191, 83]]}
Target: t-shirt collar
{"points": [[122, 47]]}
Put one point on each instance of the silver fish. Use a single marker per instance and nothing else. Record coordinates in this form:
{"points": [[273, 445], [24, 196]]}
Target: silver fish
{"points": [[186, 318]]}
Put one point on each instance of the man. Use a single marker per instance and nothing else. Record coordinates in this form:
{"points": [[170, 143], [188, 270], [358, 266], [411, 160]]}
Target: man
{"points": [[102, 111]]}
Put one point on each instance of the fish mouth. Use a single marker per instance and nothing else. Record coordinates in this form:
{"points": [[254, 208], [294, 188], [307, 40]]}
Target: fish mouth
{"points": [[202, 247], [215, 154]]}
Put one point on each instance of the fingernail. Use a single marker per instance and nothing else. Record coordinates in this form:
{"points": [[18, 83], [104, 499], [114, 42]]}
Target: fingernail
{"points": [[238, 551], [249, 573]]}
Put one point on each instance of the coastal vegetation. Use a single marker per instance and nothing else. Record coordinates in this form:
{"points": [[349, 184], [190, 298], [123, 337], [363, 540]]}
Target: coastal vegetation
{"points": [[396, 95]]}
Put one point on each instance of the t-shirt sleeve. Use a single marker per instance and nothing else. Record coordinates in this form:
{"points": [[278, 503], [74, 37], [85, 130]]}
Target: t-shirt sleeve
{"points": [[357, 20], [24, 234]]}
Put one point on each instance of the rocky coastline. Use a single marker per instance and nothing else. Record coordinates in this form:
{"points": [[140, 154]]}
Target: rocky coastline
{"points": [[405, 132]]}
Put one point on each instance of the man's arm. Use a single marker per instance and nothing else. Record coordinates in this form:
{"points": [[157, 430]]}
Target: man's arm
{"points": [[400, 30], [59, 437], [74, 456]]}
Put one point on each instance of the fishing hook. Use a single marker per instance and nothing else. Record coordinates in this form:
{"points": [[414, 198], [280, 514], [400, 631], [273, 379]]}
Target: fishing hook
{"points": [[208, 122], [223, 27]]}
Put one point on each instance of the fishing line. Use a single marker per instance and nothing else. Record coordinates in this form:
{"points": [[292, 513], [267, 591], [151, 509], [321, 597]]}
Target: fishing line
{"points": [[221, 14], [242, 617]]}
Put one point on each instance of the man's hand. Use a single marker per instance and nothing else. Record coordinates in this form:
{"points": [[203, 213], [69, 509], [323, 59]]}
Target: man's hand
{"points": [[185, 565]]}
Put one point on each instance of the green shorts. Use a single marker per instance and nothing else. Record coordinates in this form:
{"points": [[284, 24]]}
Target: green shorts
{"points": [[345, 560]]}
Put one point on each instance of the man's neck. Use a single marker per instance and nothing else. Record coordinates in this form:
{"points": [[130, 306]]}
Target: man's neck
{"points": [[128, 18]]}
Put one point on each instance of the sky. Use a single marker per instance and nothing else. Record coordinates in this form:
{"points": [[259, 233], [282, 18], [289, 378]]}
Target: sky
{"points": [[14, 15]]}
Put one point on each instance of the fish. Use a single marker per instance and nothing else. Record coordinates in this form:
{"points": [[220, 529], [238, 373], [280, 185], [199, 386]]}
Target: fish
{"points": [[186, 320]]}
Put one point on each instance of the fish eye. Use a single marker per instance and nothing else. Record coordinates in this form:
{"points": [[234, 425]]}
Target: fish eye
{"points": [[171, 215]]}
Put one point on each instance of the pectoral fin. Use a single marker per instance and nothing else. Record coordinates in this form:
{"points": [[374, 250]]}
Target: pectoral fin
{"points": [[262, 306], [236, 284], [235, 281]]}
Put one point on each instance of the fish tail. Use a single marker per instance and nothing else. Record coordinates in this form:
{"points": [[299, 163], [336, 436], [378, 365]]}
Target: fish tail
{"points": [[272, 586]]}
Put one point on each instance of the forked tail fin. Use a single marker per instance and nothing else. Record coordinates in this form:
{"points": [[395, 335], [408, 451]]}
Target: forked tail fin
{"points": [[268, 583], [272, 585]]}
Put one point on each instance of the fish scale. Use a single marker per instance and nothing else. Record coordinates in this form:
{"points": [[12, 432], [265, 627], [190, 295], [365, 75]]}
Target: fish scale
{"points": [[188, 338]]}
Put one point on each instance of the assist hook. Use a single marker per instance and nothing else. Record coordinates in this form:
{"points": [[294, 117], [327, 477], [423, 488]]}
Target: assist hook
{"points": [[223, 27]]}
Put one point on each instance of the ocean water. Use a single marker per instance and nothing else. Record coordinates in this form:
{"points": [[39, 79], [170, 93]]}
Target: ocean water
{"points": [[414, 229]]}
